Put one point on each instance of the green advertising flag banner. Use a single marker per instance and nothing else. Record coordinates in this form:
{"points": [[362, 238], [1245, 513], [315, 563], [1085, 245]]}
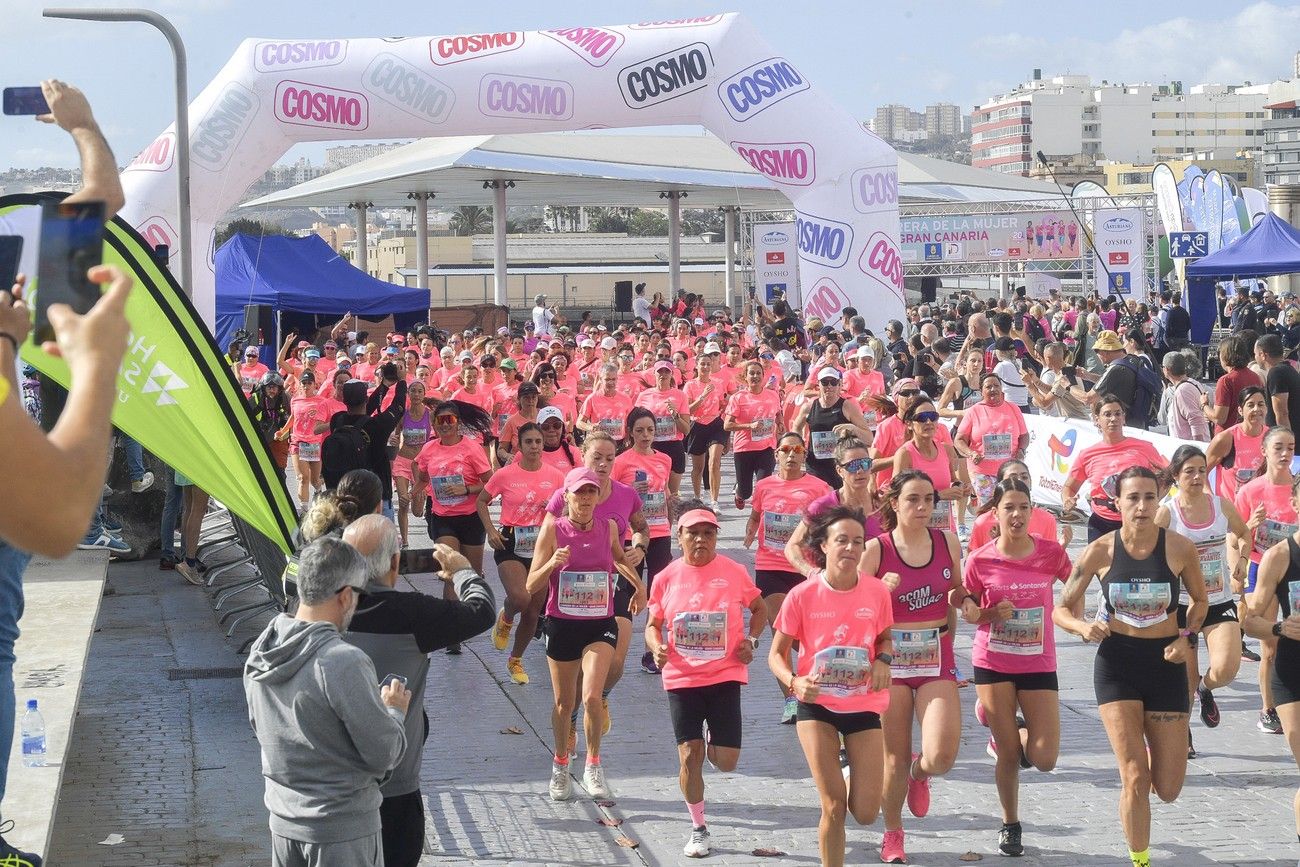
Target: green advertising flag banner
{"points": [[176, 395]]}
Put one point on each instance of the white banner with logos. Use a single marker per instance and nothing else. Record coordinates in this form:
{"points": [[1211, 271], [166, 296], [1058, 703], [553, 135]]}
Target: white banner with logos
{"points": [[1041, 285], [1119, 257], [1055, 443], [776, 263]]}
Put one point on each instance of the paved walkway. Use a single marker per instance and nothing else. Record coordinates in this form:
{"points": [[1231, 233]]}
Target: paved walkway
{"points": [[163, 754]]}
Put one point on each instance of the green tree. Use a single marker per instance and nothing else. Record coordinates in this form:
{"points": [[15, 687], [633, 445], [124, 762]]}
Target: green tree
{"points": [[697, 221], [608, 220], [244, 225], [648, 224], [471, 220]]}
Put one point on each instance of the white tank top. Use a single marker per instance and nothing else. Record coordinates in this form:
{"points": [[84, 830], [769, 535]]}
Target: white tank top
{"points": [[1211, 543]]}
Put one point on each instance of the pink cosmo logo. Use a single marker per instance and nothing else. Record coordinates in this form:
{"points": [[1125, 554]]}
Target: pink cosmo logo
{"points": [[304, 104], [595, 45], [874, 189], [156, 230], [281, 56], [757, 88], [223, 127], [414, 91], [158, 157], [446, 50], [676, 22], [666, 76], [792, 162], [880, 261], [826, 300], [522, 96]]}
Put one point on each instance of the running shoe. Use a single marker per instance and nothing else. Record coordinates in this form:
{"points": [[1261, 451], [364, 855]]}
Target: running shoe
{"points": [[609, 720], [1248, 654], [1009, 840], [1209, 708], [453, 649], [981, 716], [789, 711], [593, 780], [189, 573], [991, 749], [501, 631], [1025, 764], [111, 524], [962, 682], [105, 541], [891, 848], [1191, 748], [714, 504], [145, 483], [648, 663], [698, 845], [918, 792], [166, 564], [515, 666], [740, 502], [1268, 722], [12, 855], [561, 782]]}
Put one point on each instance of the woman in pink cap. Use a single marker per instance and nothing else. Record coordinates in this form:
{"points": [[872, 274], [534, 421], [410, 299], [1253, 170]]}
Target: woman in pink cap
{"points": [[577, 560]]}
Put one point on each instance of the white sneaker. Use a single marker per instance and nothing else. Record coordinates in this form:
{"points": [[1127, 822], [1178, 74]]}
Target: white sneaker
{"points": [[593, 780], [561, 782], [143, 485], [698, 845]]}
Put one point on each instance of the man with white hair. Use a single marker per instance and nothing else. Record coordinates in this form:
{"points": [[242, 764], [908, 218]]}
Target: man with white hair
{"points": [[543, 317], [330, 735], [398, 630]]}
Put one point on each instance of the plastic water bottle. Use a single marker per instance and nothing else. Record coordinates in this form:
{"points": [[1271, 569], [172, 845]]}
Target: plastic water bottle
{"points": [[33, 729]]}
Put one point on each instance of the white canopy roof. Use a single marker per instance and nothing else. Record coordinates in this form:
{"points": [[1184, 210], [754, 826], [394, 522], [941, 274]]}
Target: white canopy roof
{"points": [[595, 169]]}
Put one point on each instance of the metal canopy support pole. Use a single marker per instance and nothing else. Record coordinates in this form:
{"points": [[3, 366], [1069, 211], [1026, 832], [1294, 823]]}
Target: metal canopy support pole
{"points": [[421, 238], [182, 118], [674, 198], [500, 295], [362, 253], [729, 241]]}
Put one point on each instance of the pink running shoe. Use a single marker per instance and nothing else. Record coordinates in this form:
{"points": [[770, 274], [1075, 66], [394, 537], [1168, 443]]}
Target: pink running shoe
{"points": [[980, 716], [918, 793], [891, 848]]}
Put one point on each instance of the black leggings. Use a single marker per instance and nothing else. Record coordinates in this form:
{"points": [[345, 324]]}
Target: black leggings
{"points": [[658, 555], [750, 467], [1099, 526]]}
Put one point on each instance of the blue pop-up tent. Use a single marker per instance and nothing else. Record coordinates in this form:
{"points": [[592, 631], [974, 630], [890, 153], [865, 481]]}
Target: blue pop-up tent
{"points": [[1271, 247], [303, 276]]}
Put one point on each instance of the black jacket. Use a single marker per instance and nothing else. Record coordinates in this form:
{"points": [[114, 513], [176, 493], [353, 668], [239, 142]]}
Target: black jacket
{"points": [[379, 426]]}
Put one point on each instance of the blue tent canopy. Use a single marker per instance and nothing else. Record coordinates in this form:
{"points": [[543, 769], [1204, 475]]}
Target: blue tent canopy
{"points": [[302, 275], [1271, 247]]}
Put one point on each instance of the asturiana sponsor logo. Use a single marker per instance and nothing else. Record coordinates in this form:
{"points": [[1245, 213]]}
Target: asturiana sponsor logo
{"points": [[826, 242], [666, 76], [874, 189], [775, 237], [222, 128], [305, 104], [521, 96], [880, 261], [445, 50], [595, 45], [404, 86], [757, 88], [158, 157], [676, 22], [1118, 224], [791, 162], [281, 56]]}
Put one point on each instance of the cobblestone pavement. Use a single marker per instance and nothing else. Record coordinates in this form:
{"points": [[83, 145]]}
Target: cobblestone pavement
{"points": [[173, 766]]}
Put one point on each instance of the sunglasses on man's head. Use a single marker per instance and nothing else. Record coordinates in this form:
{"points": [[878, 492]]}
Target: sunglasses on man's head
{"points": [[927, 416], [791, 450], [446, 418], [857, 465]]}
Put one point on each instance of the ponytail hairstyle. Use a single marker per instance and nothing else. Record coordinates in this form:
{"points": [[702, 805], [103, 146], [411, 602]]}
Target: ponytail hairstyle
{"points": [[888, 514], [846, 443], [323, 518], [637, 413], [358, 493], [1263, 447], [1004, 486], [470, 416], [883, 406], [592, 437], [1184, 453]]}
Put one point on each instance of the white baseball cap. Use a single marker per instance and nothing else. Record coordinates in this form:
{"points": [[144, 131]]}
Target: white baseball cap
{"points": [[547, 413], [587, 342], [609, 343], [712, 348]]}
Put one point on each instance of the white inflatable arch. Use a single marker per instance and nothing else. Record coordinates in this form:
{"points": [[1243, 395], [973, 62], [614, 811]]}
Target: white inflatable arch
{"points": [[714, 71]]}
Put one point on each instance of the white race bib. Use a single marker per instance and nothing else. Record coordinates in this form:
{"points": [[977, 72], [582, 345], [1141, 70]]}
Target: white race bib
{"points": [[525, 541], [823, 444], [997, 447], [309, 451], [1020, 634], [843, 671], [701, 635], [1140, 603], [443, 487], [777, 530], [584, 594], [654, 506], [665, 428], [917, 653]]}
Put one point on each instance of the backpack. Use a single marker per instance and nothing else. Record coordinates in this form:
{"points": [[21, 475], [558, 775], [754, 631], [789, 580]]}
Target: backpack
{"points": [[1146, 390], [347, 448]]}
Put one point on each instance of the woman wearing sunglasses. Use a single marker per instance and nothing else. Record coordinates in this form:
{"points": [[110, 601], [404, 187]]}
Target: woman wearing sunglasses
{"points": [[455, 468], [923, 566], [751, 417], [647, 471], [856, 491], [1042, 523], [1009, 586], [990, 432], [780, 502], [527, 399], [524, 487], [891, 433], [557, 451], [549, 394], [672, 419], [824, 419], [938, 461], [576, 561]]}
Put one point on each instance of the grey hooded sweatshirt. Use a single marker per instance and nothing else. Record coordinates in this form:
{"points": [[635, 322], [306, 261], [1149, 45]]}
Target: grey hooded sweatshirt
{"points": [[327, 740]]}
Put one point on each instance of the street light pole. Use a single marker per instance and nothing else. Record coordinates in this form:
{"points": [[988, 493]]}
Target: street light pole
{"points": [[182, 116]]}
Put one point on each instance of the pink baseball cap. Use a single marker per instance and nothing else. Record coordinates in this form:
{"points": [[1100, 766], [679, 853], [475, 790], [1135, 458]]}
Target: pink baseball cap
{"points": [[579, 478], [695, 517]]}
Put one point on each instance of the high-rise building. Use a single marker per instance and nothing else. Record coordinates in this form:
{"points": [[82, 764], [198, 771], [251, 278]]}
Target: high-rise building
{"points": [[943, 119], [342, 156], [1143, 123], [891, 121]]}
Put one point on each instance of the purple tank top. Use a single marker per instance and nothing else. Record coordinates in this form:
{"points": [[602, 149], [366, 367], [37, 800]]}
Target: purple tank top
{"points": [[922, 593], [583, 588], [416, 431]]}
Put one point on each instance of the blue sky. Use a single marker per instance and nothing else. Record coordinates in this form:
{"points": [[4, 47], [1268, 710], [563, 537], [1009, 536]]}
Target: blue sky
{"points": [[861, 53]]}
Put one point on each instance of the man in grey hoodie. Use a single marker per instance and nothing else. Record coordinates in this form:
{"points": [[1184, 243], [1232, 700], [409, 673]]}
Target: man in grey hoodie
{"points": [[330, 736]]}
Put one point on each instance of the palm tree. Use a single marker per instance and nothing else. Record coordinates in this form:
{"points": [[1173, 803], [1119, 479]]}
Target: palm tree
{"points": [[471, 220]]}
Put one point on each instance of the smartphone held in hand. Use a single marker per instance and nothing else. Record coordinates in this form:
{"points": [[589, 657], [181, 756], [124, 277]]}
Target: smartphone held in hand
{"points": [[417, 561], [11, 252], [25, 100], [72, 242]]}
